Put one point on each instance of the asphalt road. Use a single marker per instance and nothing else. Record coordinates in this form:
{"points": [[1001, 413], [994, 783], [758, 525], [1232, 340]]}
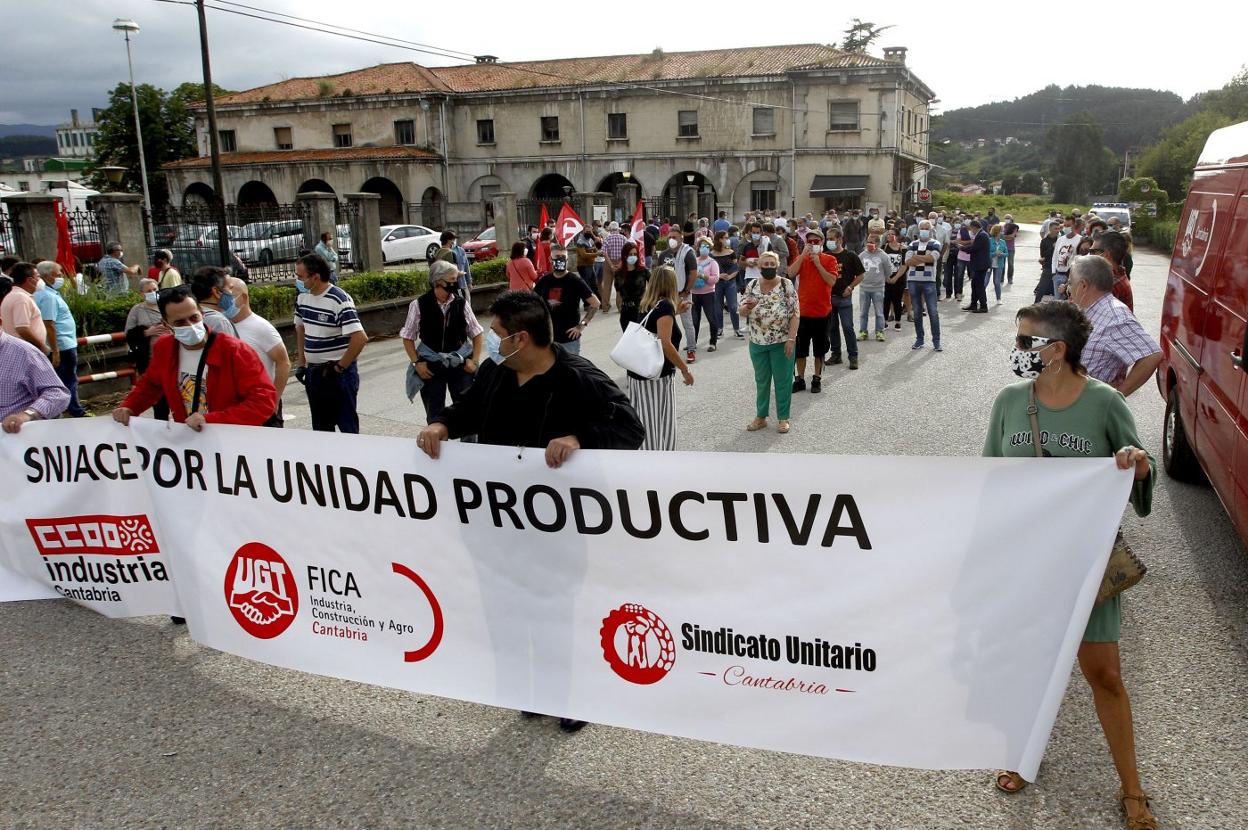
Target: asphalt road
{"points": [[131, 724]]}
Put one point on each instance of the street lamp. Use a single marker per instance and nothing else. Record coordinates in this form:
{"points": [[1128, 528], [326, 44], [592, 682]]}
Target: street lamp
{"points": [[113, 173], [126, 27]]}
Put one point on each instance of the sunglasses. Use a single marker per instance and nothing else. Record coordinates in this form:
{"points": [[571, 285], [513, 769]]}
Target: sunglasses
{"points": [[1030, 342]]}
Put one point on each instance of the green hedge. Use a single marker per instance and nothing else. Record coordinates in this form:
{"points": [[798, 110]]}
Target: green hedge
{"points": [[490, 271], [1162, 235]]}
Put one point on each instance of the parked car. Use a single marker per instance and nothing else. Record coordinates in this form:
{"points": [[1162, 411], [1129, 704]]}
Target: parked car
{"points": [[264, 243], [1204, 333], [483, 246], [1114, 210], [86, 247], [342, 241], [404, 242]]}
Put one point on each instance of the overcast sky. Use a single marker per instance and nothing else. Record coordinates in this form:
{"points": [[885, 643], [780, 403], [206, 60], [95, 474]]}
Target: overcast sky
{"points": [[970, 55]]}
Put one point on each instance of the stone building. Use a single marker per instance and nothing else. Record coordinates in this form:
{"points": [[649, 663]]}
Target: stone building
{"points": [[796, 128]]}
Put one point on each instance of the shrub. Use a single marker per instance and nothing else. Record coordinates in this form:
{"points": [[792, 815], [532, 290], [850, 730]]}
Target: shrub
{"points": [[1163, 235], [98, 313], [489, 271]]}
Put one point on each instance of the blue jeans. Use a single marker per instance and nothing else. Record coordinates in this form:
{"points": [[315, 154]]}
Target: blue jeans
{"points": [[332, 396], [726, 292], [842, 320], [573, 346], [866, 300], [704, 306], [1058, 281], [998, 276], [925, 294], [67, 371]]}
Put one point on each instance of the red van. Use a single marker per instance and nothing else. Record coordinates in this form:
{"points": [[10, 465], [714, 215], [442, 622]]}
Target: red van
{"points": [[1203, 328]]}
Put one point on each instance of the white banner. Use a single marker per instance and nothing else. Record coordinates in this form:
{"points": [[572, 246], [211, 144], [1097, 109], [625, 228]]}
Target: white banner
{"points": [[905, 611]]}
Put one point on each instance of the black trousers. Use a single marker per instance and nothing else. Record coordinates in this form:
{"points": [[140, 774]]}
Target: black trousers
{"points": [[979, 288]]}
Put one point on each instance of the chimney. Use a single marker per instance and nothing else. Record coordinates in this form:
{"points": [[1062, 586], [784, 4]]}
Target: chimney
{"points": [[487, 58], [895, 53], [73, 117]]}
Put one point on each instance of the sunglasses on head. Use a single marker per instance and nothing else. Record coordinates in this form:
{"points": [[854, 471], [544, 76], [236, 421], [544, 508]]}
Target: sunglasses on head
{"points": [[1029, 342]]}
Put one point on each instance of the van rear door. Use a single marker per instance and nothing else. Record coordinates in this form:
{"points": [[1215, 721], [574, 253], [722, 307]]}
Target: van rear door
{"points": [[1223, 401]]}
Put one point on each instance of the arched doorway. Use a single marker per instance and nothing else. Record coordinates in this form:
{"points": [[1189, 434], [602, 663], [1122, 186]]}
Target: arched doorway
{"points": [[198, 195], [316, 186], [622, 206], [256, 195], [431, 208], [674, 201], [552, 186], [392, 206]]}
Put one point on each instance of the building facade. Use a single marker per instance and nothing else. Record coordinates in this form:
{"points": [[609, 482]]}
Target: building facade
{"points": [[797, 128], [76, 139]]}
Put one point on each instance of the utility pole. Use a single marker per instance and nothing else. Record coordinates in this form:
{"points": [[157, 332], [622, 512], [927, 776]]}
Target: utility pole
{"points": [[126, 27], [214, 144]]}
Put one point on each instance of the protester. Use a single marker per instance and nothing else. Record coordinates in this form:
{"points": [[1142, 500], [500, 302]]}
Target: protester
{"points": [[653, 398], [61, 331], [721, 225], [19, 313], [776, 243], [1009, 232], [920, 276], [630, 284], [896, 297], [6, 282], [329, 338], [817, 274], [1079, 417], [1119, 351], [959, 246], [114, 272], [980, 251], [998, 252], [325, 248], [727, 289], [1044, 288], [585, 246], [564, 292], [771, 308], [1065, 249], [216, 304], [443, 341], [680, 257], [29, 387], [521, 275], [207, 377], [612, 245], [841, 321], [1116, 248], [877, 269], [702, 293], [166, 275], [144, 326], [942, 231], [542, 252], [263, 337], [452, 252]]}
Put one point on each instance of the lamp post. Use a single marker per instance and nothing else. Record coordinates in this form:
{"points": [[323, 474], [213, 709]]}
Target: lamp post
{"points": [[114, 174], [126, 27]]}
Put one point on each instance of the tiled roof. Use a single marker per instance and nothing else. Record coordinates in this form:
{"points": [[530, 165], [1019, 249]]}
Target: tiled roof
{"points": [[627, 69], [296, 156]]}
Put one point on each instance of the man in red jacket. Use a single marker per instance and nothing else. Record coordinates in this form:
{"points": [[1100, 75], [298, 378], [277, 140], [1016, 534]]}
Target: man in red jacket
{"points": [[207, 377]]}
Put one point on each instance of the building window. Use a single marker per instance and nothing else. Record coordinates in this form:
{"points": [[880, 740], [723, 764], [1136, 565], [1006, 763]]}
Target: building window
{"points": [[229, 143], [342, 135], [617, 125], [485, 130], [764, 121], [405, 132], [842, 115], [23, 186], [762, 196], [550, 128], [283, 139], [687, 124]]}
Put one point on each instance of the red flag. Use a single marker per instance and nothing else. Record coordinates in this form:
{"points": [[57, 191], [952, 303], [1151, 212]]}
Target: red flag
{"points": [[64, 245], [637, 231], [568, 225], [544, 220]]}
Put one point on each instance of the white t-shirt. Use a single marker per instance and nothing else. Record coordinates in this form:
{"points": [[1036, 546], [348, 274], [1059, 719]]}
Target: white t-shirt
{"points": [[188, 365], [260, 334], [1064, 251]]}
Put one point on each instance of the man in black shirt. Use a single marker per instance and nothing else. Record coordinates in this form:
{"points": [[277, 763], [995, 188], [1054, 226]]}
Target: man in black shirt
{"points": [[1044, 288], [842, 319], [564, 292]]}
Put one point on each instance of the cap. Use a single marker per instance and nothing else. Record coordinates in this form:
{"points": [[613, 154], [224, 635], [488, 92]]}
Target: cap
{"points": [[813, 230]]}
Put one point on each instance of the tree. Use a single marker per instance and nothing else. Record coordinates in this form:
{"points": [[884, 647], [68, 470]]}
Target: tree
{"points": [[1081, 163], [1010, 184], [860, 35], [1031, 182]]}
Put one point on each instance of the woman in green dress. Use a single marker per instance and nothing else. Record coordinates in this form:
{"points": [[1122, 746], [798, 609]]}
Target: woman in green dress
{"points": [[1080, 417]]}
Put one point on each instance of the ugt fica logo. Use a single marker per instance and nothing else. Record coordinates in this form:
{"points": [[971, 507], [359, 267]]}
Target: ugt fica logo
{"points": [[260, 590], [637, 644]]}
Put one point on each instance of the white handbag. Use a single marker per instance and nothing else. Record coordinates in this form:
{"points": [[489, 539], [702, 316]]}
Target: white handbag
{"points": [[639, 351]]}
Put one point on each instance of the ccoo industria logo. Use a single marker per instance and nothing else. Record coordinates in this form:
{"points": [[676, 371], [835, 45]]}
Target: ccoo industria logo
{"points": [[637, 644], [260, 590], [95, 535]]}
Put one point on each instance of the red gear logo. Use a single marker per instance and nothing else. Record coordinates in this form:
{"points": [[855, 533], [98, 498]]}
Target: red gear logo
{"points": [[260, 590], [637, 644]]}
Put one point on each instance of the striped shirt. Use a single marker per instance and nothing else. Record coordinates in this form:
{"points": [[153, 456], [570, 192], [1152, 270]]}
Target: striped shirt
{"points": [[1117, 342], [27, 380], [328, 320], [613, 245], [926, 272]]}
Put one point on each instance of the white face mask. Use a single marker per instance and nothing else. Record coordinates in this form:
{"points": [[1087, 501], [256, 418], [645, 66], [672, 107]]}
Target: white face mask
{"points": [[191, 335], [673, 244], [58, 283], [150, 297]]}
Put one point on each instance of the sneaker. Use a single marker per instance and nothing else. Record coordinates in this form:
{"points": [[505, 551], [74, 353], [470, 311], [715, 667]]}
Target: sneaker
{"points": [[936, 346], [879, 335], [918, 344], [691, 357], [853, 363], [833, 360], [897, 325], [799, 384], [816, 385], [968, 308], [712, 347], [739, 333], [862, 335]]}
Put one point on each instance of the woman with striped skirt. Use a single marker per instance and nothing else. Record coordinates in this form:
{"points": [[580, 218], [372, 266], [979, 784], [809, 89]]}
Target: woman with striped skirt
{"points": [[653, 398]]}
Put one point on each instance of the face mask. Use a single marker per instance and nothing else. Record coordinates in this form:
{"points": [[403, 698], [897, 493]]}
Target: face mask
{"points": [[632, 259], [560, 265], [1070, 231], [1027, 365], [830, 245], [227, 305], [769, 272], [121, 255], [150, 297], [533, 236], [673, 244], [301, 288], [957, 224], [871, 246], [497, 351], [704, 250], [924, 234], [58, 283], [191, 335], [755, 237]]}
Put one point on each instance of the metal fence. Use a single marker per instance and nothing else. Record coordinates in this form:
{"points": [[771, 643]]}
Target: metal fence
{"points": [[88, 234], [265, 239], [8, 234], [529, 212]]}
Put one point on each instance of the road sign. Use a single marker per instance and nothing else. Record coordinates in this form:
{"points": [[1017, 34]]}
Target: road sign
{"points": [[925, 195]]}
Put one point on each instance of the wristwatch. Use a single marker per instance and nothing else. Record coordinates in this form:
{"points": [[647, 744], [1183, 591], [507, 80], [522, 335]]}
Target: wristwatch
{"points": [[32, 414]]}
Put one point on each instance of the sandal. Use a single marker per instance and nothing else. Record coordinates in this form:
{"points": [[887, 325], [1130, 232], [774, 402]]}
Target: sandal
{"points": [[782, 427], [1144, 820], [1011, 778], [756, 424]]}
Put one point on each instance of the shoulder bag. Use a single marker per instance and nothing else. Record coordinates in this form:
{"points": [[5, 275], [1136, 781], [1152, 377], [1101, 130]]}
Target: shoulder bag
{"points": [[639, 351], [1124, 568]]}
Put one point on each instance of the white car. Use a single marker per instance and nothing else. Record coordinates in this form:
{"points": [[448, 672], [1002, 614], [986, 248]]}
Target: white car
{"points": [[402, 242], [1115, 210]]}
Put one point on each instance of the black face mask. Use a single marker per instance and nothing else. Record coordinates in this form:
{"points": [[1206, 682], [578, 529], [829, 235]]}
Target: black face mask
{"points": [[769, 272], [560, 264]]}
